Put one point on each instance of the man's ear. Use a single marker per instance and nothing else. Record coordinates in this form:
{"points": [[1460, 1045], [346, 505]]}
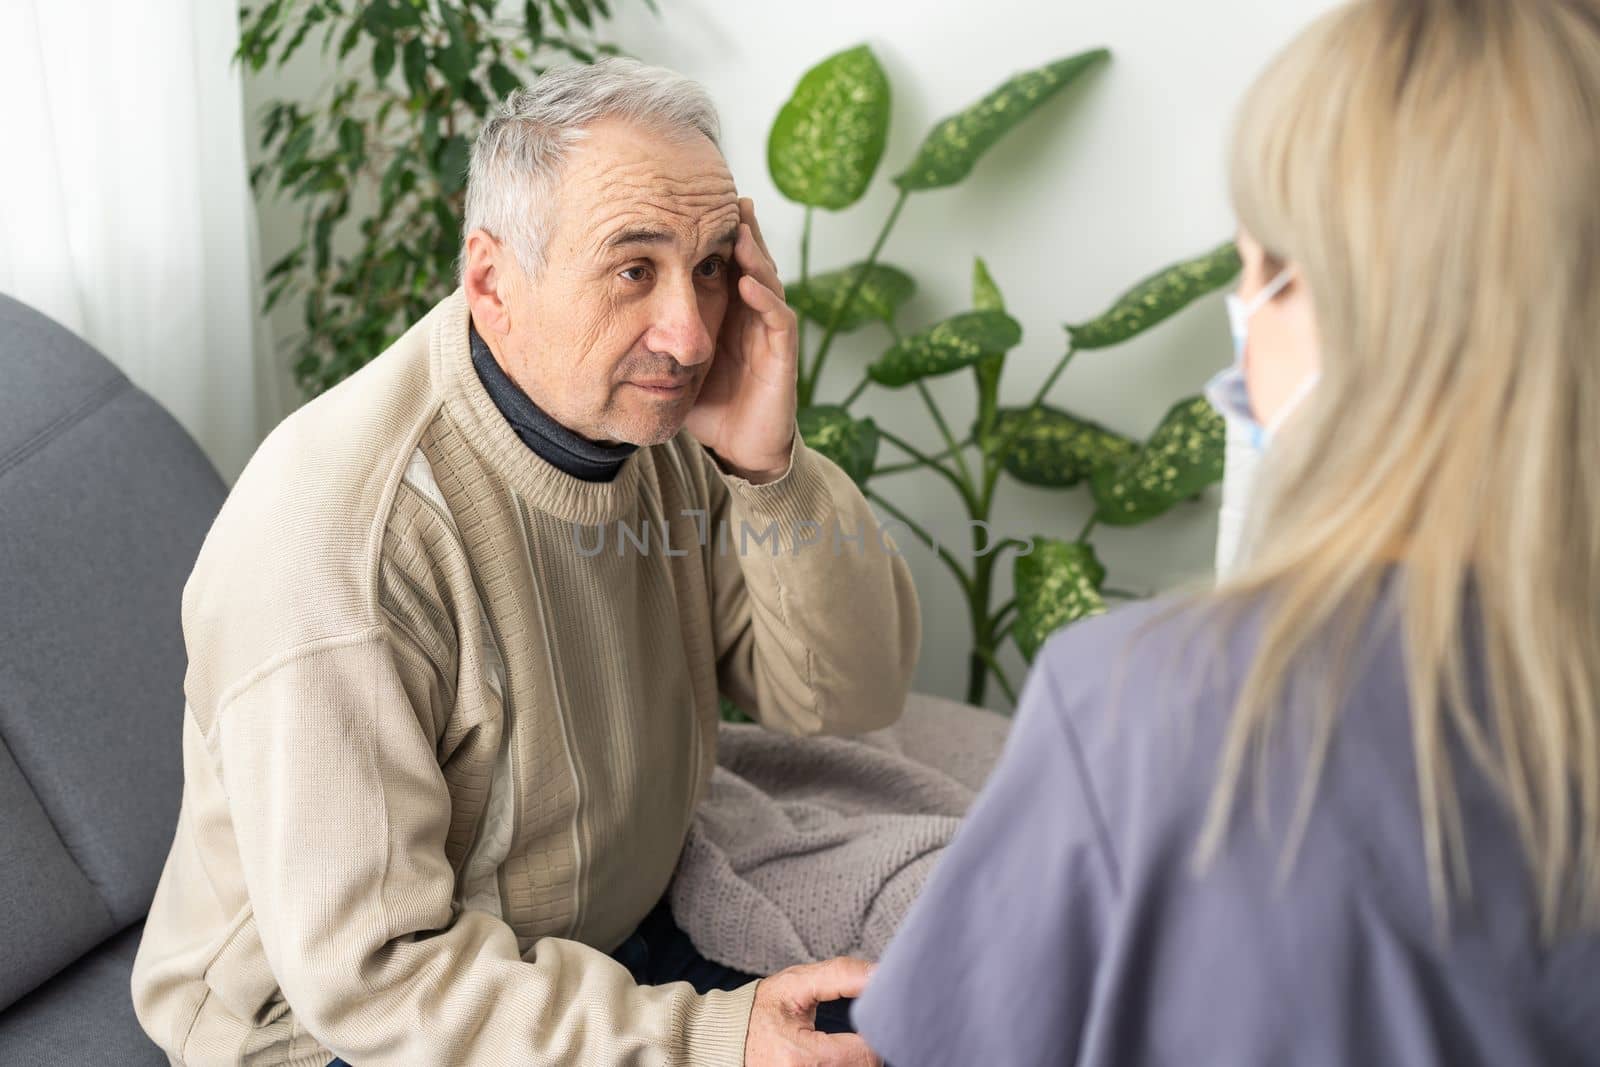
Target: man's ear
{"points": [[485, 278]]}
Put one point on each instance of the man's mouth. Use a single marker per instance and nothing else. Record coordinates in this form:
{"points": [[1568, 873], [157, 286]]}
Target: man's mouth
{"points": [[664, 387]]}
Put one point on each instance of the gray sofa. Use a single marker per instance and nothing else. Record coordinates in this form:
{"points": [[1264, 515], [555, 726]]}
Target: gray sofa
{"points": [[104, 501]]}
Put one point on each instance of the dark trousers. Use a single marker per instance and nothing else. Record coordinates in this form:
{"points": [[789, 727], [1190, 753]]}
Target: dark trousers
{"points": [[658, 952]]}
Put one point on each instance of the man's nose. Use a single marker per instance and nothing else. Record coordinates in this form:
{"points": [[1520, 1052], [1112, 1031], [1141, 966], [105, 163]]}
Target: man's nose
{"points": [[679, 330]]}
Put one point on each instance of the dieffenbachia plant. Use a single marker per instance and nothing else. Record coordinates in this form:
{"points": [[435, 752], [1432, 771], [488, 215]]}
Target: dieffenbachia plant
{"points": [[823, 152]]}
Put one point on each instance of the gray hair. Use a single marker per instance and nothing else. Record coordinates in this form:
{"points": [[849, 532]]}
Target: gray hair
{"points": [[517, 158]]}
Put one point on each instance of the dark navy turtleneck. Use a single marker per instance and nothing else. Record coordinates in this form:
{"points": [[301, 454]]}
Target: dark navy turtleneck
{"points": [[568, 452]]}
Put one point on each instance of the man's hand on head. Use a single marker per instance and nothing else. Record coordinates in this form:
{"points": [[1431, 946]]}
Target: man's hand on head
{"points": [[746, 409], [783, 1021]]}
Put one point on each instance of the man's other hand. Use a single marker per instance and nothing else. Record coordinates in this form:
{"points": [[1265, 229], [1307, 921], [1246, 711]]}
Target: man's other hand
{"points": [[783, 1021]]}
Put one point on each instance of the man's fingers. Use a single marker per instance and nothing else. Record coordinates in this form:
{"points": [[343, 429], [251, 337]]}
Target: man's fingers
{"points": [[747, 216], [832, 979], [775, 314], [844, 1050], [747, 212], [750, 256]]}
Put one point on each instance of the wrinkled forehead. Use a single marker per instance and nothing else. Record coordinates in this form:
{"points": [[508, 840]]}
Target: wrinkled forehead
{"points": [[622, 178]]}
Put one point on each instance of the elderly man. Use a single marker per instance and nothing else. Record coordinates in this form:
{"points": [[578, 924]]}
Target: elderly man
{"points": [[441, 751]]}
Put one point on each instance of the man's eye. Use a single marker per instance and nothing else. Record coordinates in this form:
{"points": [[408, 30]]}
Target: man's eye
{"points": [[713, 267], [636, 274]]}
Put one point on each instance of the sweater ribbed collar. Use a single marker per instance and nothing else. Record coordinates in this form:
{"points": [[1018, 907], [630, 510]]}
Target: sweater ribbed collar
{"points": [[542, 484]]}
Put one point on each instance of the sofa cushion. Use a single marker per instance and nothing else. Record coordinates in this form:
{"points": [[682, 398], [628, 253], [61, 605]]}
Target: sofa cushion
{"points": [[104, 502], [82, 1016], [49, 913]]}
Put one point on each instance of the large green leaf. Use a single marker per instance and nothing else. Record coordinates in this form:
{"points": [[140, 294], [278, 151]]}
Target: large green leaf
{"points": [[1182, 457], [959, 341], [955, 145], [850, 442], [1056, 449], [828, 138], [1057, 583], [1161, 295], [881, 294]]}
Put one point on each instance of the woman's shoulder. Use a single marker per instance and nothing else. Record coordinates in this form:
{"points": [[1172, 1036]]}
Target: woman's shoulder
{"points": [[1145, 695], [1183, 643]]}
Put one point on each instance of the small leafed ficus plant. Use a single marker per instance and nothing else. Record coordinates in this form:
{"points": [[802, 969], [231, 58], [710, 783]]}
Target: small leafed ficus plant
{"points": [[384, 149], [823, 152]]}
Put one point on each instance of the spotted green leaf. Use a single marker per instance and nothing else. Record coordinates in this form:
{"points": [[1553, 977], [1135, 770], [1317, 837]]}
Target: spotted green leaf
{"points": [[882, 292], [1182, 457], [1161, 295], [850, 442], [1056, 449], [986, 297], [828, 138], [955, 145], [985, 293], [959, 341], [1057, 583]]}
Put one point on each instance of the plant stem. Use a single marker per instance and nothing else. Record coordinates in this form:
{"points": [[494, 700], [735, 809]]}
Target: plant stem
{"points": [[896, 468], [983, 624], [999, 674], [991, 474], [925, 460], [945, 554], [854, 290], [1050, 379], [1088, 528], [1002, 632], [850, 398], [1005, 609], [949, 438]]}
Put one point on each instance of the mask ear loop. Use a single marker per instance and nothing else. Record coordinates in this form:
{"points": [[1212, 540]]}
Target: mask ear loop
{"points": [[1289, 406], [1274, 287]]}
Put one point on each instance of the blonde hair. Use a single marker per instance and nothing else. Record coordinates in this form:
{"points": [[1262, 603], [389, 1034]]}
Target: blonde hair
{"points": [[1432, 169]]}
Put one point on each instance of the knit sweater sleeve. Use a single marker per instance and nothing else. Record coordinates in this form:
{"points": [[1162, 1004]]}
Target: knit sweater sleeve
{"points": [[816, 616], [329, 761]]}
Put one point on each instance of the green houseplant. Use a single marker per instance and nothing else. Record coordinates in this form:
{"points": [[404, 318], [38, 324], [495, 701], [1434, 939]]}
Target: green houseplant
{"points": [[381, 155], [823, 152]]}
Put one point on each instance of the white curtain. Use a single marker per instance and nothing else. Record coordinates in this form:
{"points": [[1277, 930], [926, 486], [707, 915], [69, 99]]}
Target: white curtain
{"points": [[125, 212]]}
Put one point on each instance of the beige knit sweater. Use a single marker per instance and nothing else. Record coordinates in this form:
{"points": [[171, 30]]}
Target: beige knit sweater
{"points": [[440, 754]]}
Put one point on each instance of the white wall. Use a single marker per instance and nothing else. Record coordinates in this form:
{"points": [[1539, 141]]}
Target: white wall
{"points": [[1121, 176]]}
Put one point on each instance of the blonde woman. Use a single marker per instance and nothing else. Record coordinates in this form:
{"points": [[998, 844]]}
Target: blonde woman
{"points": [[1344, 808]]}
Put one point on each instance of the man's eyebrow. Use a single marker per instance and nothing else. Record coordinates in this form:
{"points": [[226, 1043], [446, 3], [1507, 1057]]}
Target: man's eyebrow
{"points": [[727, 236], [640, 235]]}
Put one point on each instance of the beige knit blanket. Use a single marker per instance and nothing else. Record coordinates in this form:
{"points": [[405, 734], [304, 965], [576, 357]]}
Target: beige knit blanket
{"points": [[810, 848]]}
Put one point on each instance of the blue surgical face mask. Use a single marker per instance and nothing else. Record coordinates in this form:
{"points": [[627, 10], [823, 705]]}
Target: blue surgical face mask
{"points": [[1247, 437], [1228, 391]]}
